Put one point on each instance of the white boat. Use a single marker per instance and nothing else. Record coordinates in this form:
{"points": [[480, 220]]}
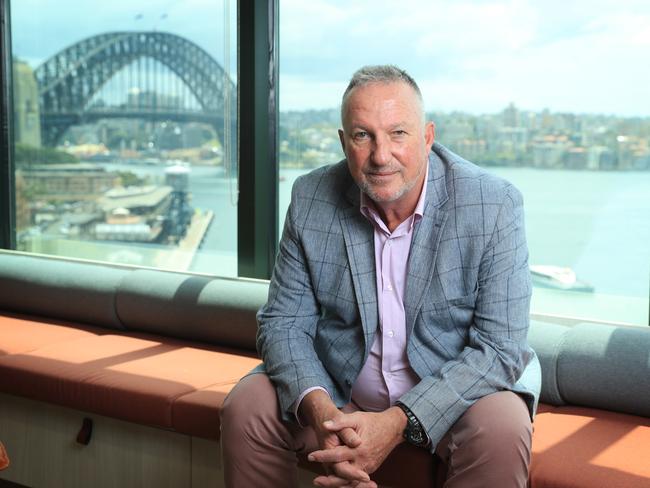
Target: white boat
{"points": [[558, 277]]}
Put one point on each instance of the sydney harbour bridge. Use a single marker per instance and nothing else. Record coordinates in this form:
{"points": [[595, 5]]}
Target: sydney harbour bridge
{"points": [[144, 75]]}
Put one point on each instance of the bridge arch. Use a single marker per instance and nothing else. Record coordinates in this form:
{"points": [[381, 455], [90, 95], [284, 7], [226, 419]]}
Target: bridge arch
{"points": [[68, 80]]}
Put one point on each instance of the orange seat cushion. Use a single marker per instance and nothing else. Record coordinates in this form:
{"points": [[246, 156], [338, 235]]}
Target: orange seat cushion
{"points": [[132, 377], [21, 333], [576, 447], [4, 459]]}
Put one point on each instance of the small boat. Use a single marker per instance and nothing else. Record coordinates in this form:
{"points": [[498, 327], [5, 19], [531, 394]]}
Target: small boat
{"points": [[558, 277]]}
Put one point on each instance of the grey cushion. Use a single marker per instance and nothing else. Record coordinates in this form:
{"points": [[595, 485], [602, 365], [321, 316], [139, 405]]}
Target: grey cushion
{"points": [[547, 340], [65, 290], [606, 367], [215, 310]]}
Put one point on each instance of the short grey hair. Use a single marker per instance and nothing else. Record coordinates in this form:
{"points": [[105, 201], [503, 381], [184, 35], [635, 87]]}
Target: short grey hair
{"points": [[383, 73]]}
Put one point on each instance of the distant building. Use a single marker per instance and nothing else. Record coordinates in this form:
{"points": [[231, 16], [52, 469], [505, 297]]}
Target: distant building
{"points": [[135, 214], [631, 152], [600, 157], [548, 151], [512, 140], [471, 149], [27, 118], [576, 158], [511, 116], [69, 182], [454, 131]]}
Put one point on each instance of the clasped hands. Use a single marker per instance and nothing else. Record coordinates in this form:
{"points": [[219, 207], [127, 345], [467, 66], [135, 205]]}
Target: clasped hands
{"points": [[354, 445]]}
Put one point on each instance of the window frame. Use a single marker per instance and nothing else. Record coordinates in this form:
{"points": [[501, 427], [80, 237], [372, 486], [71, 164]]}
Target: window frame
{"points": [[7, 176], [258, 156]]}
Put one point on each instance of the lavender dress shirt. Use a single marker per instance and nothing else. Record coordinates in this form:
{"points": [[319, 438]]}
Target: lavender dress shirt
{"points": [[387, 374]]}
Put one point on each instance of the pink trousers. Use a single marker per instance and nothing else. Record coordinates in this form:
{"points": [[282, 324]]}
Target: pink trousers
{"points": [[489, 446]]}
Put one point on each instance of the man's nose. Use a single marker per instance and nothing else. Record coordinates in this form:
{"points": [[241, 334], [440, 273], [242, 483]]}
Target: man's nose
{"points": [[381, 152]]}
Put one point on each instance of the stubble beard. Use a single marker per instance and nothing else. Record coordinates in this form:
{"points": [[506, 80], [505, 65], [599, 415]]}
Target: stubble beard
{"points": [[369, 189]]}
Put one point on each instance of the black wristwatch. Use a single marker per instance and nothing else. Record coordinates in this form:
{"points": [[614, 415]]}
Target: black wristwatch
{"points": [[414, 433]]}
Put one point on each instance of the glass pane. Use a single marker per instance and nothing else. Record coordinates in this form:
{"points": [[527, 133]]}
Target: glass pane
{"points": [[554, 103], [125, 131]]}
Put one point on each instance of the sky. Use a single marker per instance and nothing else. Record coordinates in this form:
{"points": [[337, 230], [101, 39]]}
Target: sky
{"points": [[582, 56]]}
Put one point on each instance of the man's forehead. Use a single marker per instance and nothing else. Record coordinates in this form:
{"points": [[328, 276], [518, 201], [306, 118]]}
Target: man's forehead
{"points": [[396, 101], [383, 90]]}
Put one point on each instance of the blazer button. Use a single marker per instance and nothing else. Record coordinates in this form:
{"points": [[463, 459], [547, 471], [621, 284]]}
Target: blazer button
{"points": [[348, 382]]}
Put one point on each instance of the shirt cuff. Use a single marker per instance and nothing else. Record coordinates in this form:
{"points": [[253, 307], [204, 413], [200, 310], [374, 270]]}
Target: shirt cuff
{"points": [[296, 404]]}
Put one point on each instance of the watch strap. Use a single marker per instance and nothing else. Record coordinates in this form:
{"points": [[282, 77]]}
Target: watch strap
{"points": [[414, 433]]}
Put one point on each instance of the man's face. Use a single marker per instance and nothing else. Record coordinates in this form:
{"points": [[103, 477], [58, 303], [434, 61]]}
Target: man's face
{"points": [[386, 142]]}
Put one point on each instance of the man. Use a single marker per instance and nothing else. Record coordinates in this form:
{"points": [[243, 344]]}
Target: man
{"points": [[397, 311]]}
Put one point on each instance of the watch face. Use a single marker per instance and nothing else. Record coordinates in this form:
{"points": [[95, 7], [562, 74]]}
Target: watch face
{"points": [[415, 436], [413, 433]]}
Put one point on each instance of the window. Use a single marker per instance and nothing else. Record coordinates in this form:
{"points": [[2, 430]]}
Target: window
{"points": [[549, 95], [125, 130]]}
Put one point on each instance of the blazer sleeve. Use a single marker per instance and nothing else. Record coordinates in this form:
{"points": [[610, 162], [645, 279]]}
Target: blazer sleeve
{"points": [[287, 323], [497, 351]]}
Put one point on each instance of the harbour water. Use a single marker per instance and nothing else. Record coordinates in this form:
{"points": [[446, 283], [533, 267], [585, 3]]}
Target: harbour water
{"points": [[597, 223]]}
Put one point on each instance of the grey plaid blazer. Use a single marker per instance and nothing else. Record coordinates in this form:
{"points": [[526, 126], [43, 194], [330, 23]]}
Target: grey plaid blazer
{"points": [[467, 293]]}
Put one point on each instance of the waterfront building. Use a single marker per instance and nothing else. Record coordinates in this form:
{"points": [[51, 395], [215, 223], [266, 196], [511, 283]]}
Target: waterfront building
{"points": [[69, 182], [548, 151], [135, 214]]}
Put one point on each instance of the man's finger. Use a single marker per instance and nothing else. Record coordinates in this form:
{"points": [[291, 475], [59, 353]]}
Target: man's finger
{"points": [[361, 484], [332, 440], [333, 455], [349, 437], [332, 481], [343, 421], [349, 472]]}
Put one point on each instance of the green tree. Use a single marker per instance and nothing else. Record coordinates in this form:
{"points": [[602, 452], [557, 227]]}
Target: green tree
{"points": [[26, 155]]}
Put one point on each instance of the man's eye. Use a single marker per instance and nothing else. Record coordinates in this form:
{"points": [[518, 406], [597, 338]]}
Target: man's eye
{"points": [[399, 133], [360, 135]]}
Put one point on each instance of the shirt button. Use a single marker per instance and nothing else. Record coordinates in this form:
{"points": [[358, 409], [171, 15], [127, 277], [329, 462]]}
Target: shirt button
{"points": [[389, 288], [391, 333]]}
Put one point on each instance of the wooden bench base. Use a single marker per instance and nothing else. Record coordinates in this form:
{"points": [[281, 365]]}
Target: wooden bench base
{"points": [[44, 452]]}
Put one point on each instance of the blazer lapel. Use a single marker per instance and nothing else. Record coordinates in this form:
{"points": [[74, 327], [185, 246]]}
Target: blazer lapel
{"points": [[422, 260], [360, 247], [425, 243]]}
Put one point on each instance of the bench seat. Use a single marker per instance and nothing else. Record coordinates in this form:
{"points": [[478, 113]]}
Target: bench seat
{"points": [[180, 385], [160, 351], [21, 334], [141, 378], [579, 447]]}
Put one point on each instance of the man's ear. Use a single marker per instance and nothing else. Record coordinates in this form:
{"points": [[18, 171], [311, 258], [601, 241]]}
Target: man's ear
{"points": [[429, 133], [342, 139]]}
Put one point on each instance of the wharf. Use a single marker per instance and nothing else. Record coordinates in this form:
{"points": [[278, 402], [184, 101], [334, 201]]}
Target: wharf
{"points": [[180, 257]]}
